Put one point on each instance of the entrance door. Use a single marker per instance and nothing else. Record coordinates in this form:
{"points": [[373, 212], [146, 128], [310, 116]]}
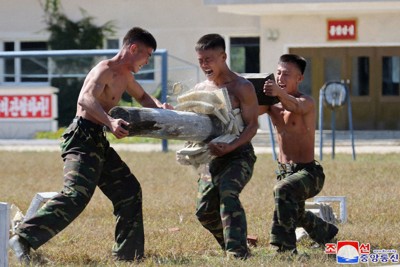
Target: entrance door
{"points": [[361, 69]]}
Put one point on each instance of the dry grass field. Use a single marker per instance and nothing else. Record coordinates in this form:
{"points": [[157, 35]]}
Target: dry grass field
{"points": [[174, 236]]}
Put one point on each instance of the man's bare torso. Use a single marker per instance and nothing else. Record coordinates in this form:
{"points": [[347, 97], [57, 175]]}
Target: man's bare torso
{"points": [[295, 133], [109, 83]]}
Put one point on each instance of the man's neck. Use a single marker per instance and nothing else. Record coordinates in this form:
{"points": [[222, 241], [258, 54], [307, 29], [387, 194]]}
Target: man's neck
{"points": [[225, 78]]}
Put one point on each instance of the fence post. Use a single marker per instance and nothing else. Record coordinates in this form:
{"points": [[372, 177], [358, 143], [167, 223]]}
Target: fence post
{"points": [[4, 233]]}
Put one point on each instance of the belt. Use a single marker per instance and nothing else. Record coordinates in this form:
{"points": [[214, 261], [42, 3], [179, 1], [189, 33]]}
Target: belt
{"points": [[293, 167], [88, 124]]}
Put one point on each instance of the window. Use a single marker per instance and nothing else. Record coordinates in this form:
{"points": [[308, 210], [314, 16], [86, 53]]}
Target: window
{"points": [[34, 69], [25, 69], [38, 70], [360, 76], [245, 54], [112, 44], [390, 76], [9, 64]]}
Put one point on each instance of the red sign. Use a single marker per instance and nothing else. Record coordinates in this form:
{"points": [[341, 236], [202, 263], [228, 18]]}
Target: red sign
{"points": [[344, 29], [25, 106]]}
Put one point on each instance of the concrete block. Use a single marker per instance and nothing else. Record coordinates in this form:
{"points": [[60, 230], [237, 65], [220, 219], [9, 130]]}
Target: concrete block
{"points": [[342, 204], [37, 201]]}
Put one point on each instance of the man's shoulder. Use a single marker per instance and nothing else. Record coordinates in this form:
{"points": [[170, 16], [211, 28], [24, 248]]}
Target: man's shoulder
{"points": [[242, 84]]}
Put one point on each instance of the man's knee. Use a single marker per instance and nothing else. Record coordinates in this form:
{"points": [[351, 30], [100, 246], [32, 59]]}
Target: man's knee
{"points": [[281, 190]]}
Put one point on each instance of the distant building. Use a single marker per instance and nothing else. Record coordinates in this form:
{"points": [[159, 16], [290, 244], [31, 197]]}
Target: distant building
{"points": [[354, 41]]}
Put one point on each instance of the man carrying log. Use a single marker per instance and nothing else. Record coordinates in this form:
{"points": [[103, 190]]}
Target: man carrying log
{"points": [[89, 161], [218, 206]]}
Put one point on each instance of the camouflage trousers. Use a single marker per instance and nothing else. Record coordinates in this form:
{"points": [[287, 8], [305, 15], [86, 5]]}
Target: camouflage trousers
{"points": [[89, 161], [296, 183], [218, 206]]}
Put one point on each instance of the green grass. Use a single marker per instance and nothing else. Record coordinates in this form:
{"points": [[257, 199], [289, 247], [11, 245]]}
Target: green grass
{"points": [[371, 185]]}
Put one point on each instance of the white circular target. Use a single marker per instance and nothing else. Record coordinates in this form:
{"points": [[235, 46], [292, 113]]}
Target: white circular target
{"points": [[335, 94]]}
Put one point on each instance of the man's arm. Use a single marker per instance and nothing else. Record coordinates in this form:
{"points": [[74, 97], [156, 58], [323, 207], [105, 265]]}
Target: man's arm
{"points": [[298, 105], [144, 99]]}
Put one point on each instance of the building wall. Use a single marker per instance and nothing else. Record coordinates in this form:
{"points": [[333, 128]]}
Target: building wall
{"points": [[311, 31], [176, 24], [280, 34]]}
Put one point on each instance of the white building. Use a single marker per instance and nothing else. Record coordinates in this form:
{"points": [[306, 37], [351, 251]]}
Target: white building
{"points": [[354, 41]]}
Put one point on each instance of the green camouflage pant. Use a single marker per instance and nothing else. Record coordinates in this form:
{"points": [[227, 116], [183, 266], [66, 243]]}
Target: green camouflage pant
{"points": [[296, 183], [89, 161], [218, 206]]}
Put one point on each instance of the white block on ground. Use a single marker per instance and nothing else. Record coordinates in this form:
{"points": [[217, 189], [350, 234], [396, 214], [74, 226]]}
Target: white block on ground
{"points": [[342, 204], [37, 201]]}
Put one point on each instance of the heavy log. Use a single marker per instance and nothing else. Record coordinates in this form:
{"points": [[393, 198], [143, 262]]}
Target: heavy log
{"points": [[169, 124]]}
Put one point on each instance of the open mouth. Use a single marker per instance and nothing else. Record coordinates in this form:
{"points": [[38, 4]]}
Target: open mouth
{"points": [[208, 72]]}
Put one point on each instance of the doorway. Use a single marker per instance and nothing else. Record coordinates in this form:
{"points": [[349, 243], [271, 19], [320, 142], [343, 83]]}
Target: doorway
{"points": [[371, 75]]}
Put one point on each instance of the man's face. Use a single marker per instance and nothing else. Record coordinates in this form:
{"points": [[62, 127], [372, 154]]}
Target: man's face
{"points": [[140, 56], [210, 62], [288, 76]]}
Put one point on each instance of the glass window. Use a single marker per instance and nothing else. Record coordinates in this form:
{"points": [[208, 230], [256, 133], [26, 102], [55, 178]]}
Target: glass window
{"points": [[390, 76], [360, 76], [245, 54], [9, 63], [34, 69], [112, 44]]}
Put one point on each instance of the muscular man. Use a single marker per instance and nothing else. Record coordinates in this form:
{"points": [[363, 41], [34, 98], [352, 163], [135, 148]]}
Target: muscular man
{"points": [[89, 161], [299, 176], [218, 206]]}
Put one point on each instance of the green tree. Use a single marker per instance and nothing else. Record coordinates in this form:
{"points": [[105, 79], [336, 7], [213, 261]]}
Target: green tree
{"points": [[66, 34]]}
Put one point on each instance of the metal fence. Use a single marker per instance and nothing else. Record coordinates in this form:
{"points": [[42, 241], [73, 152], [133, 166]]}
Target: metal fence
{"points": [[29, 68]]}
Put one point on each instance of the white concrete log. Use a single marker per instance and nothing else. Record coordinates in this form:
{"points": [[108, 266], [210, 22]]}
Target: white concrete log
{"points": [[169, 124]]}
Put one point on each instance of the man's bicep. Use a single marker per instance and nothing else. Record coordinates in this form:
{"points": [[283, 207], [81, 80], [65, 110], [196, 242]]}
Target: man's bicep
{"points": [[250, 108], [307, 104], [135, 90]]}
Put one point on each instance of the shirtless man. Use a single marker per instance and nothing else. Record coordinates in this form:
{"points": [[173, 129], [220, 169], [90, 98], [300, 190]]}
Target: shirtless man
{"points": [[218, 206], [299, 176], [89, 161]]}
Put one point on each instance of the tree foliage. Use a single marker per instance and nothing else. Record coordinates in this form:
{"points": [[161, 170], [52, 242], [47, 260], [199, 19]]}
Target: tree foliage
{"points": [[66, 34]]}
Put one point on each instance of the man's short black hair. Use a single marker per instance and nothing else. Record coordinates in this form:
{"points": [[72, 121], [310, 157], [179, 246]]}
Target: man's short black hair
{"points": [[137, 34], [210, 41], [299, 61]]}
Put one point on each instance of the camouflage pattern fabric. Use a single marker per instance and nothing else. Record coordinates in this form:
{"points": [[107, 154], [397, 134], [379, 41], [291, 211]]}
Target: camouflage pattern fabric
{"points": [[218, 206], [296, 183], [89, 161]]}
